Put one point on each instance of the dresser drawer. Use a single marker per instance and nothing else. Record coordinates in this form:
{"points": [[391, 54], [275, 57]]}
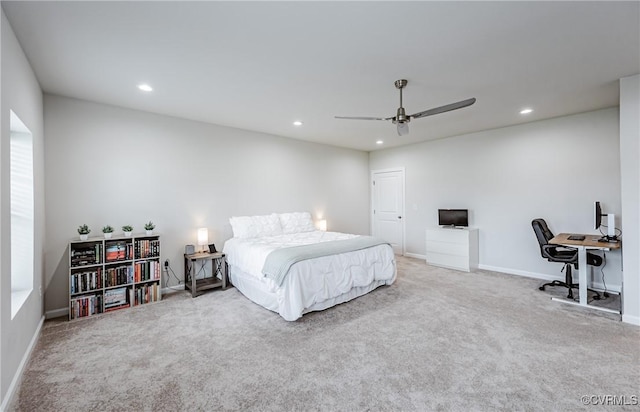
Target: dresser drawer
{"points": [[456, 249], [449, 235], [448, 261]]}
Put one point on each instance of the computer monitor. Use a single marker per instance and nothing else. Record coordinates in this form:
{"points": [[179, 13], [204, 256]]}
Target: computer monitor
{"points": [[611, 223], [597, 214]]}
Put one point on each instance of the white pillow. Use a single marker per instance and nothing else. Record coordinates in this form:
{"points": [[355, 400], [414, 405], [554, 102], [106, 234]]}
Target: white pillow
{"points": [[267, 225], [255, 226], [242, 226], [296, 222]]}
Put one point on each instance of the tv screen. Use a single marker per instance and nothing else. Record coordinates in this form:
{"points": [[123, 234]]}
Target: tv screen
{"points": [[453, 217]]}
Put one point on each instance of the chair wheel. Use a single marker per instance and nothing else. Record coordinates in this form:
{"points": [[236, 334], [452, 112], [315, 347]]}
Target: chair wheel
{"points": [[541, 288]]}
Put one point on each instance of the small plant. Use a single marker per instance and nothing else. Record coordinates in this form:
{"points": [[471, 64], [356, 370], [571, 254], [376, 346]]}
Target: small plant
{"points": [[149, 226], [84, 230], [107, 229], [127, 228]]}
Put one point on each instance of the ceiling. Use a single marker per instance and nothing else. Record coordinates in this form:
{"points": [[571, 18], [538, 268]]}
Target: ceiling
{"points": [[261, 65]]}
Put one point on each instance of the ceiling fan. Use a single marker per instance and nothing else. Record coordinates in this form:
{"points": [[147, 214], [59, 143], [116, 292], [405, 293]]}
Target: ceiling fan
{"points": [[402, 120]]}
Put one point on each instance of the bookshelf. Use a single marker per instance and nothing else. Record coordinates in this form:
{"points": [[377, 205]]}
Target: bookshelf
{"points": [[111, 274]]}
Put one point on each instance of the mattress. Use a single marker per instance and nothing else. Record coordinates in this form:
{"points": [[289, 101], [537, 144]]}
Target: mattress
{"points": [[313, 284]]}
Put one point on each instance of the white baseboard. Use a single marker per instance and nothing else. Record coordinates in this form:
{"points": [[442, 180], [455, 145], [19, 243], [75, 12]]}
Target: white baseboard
{"points": [[56, 313], [525, 273], [543, 276], [610, 288], [18, 375], [415, 255], [172, 289], [634, 320]]}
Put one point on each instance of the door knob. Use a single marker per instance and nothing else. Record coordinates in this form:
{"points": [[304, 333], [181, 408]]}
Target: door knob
{"points": [[399, 217]]}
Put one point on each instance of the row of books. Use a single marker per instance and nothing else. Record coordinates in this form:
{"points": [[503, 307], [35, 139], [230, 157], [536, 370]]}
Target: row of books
{"points": [[147, 270], [115, 298], [85, 306], [118, 250], [147, 248], [119, 275], [146, 294], [82, 256], [85, 281]]}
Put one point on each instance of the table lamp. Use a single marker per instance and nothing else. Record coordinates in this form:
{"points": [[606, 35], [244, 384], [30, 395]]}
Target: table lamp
{"points": [[321, 224], [203, 238]]}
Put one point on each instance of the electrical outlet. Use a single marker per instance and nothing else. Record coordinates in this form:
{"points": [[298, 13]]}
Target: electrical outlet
{"points": [[166, 263]]}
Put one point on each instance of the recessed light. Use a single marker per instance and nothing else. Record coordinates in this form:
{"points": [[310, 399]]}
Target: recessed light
{"points": [[145, 87], [297, 123], [379, 142], [526, 111]]}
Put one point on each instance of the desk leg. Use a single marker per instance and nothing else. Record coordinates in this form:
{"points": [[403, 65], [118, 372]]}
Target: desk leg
{"points": [[583, 269]]}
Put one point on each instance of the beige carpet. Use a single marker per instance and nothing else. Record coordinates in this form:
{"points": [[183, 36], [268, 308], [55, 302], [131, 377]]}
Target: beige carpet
{"points": [[435, 340]]}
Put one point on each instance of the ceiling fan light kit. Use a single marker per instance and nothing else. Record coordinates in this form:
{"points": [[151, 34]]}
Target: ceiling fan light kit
{"points": [[402, 120]]}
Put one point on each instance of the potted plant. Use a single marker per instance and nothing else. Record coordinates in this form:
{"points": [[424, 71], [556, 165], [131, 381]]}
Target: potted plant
{"points": [[149, 228], [108, 231], [127, 229], [83, 231]]}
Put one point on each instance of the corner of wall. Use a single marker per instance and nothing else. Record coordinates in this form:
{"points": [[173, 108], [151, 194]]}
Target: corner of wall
{"points": [[634, 320], [21, 93], [630, 191], [6, 401]]}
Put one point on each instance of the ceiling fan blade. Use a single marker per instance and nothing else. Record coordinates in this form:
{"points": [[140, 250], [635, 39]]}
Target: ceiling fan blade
{"points": [[359, 118], [446, 108], [403, 129]]}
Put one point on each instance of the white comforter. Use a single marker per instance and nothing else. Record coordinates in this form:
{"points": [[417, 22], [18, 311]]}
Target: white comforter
{"points": [[312, 281], [250, 254]]}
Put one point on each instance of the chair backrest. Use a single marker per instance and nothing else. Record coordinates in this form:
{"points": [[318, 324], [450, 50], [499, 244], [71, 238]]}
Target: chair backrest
{"points": [[551, 252], [543, 234]]}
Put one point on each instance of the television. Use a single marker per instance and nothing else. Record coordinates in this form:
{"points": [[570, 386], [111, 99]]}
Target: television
{"points": [[453, 217]]}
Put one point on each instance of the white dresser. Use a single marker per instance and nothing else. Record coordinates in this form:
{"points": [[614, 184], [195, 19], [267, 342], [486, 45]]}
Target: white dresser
{"points": [[453, 248]]}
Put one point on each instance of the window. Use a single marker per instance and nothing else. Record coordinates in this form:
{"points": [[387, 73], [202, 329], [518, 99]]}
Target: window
{"points": [[22, 236]]}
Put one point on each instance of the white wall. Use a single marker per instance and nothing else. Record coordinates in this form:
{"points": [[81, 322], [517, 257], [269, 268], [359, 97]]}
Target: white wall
{"points": [[108, 165], [20, 93], [554, 169], [629, 155]]}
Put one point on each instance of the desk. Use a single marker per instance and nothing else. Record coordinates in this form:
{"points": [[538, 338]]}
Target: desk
{"points": [[590, 242], [218, 267]]}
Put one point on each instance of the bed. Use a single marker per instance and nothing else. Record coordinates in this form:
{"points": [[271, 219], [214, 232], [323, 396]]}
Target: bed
{"points": [[281, 262]]}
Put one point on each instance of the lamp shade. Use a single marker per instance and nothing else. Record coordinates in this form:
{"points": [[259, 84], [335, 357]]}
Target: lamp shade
{"points": [[203, 236]]}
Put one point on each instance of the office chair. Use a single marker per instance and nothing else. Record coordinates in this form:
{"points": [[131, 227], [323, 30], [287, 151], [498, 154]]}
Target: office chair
{"points": [[561, 254]]}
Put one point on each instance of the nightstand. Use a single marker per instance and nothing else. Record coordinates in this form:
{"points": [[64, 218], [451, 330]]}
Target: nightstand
{"points": [[218, 267]]}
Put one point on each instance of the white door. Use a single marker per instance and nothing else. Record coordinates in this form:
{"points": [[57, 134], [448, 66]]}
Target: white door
{"points": [[388, 207]]}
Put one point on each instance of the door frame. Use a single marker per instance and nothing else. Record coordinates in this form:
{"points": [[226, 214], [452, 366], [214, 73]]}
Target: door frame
{"points": [[400, 169]]}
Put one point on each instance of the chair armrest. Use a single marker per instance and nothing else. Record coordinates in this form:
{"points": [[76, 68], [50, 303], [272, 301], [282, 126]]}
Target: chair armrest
{"points": [[558, 253], [548, 251], [562, 248]]}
